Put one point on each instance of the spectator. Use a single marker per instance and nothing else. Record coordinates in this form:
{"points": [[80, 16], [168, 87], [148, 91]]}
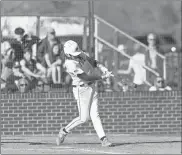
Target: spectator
{"points": [[12, 84], [22, 85], [135, 64], [123, 60], [54, 61], [46, 45], [154, 61], [32, 70], [8, 57], [31, 41], [123, 86], [24, 41], [159, 85], [18, 44]]}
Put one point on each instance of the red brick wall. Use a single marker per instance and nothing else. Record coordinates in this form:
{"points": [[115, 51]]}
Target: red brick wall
{"points": [[128, 113]]}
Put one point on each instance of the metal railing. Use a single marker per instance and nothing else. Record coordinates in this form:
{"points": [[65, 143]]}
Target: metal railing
{"points": [[99, 19], [128, 56]]}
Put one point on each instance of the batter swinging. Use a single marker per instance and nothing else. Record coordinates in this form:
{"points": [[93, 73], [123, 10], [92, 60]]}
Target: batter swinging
{"points": [[82, 70]]}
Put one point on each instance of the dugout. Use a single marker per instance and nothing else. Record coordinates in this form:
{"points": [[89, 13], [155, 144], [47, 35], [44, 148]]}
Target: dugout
{"points": [[78, 12], [83, 9]]}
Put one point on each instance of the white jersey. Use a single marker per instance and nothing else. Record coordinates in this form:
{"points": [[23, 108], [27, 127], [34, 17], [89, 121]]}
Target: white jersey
{"points": [[74, 68], [136, 65]]}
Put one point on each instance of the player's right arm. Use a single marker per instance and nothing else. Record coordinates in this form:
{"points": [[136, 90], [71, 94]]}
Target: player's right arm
{"points": [[26, 70], [86, 77]]}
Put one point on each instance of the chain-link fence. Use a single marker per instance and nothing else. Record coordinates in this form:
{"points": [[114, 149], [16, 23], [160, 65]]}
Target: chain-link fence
{"points": [[26, 36], [32, 57], [138, 62]]}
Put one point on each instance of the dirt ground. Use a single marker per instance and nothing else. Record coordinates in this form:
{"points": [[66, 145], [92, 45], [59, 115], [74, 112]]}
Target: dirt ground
{"points": [[89, 144]]}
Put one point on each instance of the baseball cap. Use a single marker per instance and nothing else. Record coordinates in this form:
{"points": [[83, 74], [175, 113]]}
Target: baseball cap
{"points": [[72, 48], [51, 30], [19, 31]]}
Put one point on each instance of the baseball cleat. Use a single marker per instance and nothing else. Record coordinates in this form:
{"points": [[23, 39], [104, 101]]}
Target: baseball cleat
{"points": [[105, 143], [61, 137]]}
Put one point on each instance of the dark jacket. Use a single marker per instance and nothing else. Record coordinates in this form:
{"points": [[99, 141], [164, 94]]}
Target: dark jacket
{"points": [[159, 61], [27, 42], [44, 48]]}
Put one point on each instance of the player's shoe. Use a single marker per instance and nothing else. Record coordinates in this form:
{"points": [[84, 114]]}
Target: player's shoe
{"points": [[106, 143], [61, 137]]}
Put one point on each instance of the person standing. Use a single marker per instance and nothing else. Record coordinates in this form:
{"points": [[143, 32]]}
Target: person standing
{"points": [[136, 64], [153, 60], [46, 45]]}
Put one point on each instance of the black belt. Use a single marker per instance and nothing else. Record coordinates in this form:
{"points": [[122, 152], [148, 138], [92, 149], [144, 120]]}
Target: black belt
{"points": [[83, 85]]}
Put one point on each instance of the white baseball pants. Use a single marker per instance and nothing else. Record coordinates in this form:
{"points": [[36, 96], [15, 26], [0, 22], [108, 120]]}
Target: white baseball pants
{"points": [[87, 101]]}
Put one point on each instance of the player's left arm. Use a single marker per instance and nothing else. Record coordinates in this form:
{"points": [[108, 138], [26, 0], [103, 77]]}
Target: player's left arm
{"points": [[97, 64], [101, 67]]}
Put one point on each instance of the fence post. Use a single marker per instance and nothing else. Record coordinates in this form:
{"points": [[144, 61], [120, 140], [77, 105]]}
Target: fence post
{"points": [[115, 63], [84, 42], [96, 40], [164, 67], [1, 63], [38, 27], [91, 27], [96, 44]]}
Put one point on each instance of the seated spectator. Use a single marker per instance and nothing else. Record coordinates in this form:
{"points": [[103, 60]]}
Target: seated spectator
{"points": [[135, 64], [124, 87], [54, 62], [32, 70], [12, 83], [46, 45], [31, 41], [5, 45], [40, 87], [159, 85], [24, 41], [17, 45], [8, 57], [22, 85]]}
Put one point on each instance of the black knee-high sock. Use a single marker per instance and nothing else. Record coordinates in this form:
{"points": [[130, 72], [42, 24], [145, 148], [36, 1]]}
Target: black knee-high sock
{"points": [[65, 130], [103, 138]]}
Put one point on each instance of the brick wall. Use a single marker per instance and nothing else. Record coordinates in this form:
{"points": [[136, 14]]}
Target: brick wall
{"points": [[128, 113]]}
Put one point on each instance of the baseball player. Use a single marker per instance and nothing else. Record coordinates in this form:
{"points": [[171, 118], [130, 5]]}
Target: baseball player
{"points": [[82, 70]]}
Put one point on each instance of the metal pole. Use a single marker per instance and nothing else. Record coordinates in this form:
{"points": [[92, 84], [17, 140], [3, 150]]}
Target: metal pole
{"points": [[37, 31], [125, 54], [164, 67], [92, 30], [125, 34], [96, 41], [84, 42], [179, 70], [115, 63], [38, 27], [89, 25], [0, 60]]}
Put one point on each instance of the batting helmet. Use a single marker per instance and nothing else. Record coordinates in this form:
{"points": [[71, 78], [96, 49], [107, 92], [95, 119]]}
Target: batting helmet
{"points": [[72, 48]]}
